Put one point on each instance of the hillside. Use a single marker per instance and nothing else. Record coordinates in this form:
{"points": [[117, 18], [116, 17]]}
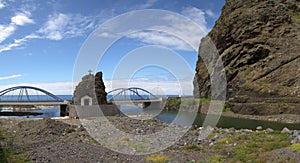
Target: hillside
{"points": [[259, 42]]}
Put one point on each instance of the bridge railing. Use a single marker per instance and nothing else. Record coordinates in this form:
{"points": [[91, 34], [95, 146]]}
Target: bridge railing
{"points": [[130, 94]]}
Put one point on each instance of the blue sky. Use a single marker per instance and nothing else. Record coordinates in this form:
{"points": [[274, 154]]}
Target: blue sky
{"points": [[40, 41]]}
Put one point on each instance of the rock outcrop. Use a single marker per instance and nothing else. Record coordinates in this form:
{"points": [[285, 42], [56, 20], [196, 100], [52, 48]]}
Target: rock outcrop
{"points": [[259, 43], [91, 86], [100, 89]]}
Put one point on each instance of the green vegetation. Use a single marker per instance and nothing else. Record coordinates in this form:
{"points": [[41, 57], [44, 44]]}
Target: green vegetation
{"points": [[7, 154], [296, 15], [211, 135], [295, 147], [173, 103], [125, 139], [157, 158], [227, 110], [250, 147], [216, 159], [185, 103], [205, 100], [189, 147], [139, 147]]}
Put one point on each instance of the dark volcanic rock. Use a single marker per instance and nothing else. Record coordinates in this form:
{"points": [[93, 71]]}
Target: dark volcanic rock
{"points": [[259, 43], [100, 89]]}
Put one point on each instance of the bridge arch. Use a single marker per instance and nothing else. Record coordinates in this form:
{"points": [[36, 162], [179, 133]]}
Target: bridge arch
{"points": [[23, 91], [136, 94]]}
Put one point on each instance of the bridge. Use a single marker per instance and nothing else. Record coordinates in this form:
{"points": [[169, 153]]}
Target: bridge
{"points": [[28, 96], [135, 96]]}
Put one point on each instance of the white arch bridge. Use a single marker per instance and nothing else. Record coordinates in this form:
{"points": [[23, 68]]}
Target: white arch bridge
{"points": [[28, 96], [134, 96]]}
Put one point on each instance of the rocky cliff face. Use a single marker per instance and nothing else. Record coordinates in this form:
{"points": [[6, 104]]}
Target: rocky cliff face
{"points": [[91, 86], [259, 43]]}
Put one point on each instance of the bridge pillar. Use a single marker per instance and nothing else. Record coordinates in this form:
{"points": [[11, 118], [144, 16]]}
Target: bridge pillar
{"points": [[152, 105], [63, 110], [146, 104]]}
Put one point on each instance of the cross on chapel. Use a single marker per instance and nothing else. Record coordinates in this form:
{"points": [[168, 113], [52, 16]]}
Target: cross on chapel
{"points": [[90, 71]]}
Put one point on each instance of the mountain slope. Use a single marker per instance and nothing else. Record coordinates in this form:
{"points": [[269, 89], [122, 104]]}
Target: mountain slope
{"points": [[259, 42]]}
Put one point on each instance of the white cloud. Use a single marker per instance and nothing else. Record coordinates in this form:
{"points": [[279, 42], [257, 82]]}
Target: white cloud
{"points": [[22, 19], [17, 43], [55, 26], [185, 34], [61, 26], [160, 38], [10, 77], [19, 19], [2, 5], [148, 4], [184, 87], [8, 47], [6, 31], [210, 13], [196, 15]]}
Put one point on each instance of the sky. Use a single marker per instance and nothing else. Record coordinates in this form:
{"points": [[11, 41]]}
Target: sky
{"points": [[41, 41]]}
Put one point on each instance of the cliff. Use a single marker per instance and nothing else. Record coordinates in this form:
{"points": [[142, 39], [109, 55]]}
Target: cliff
{"points": [[259, 43]]}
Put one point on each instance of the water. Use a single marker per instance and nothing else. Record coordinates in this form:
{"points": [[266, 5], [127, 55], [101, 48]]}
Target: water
{"points": [[169, 116], [47, 112], [224, 122]]}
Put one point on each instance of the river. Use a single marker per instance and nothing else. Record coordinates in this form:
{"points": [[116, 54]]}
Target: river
{"points": [[183, 120]]}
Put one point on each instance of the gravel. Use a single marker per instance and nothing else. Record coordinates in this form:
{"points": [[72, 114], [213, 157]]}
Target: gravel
{"points": [[66, 140]]}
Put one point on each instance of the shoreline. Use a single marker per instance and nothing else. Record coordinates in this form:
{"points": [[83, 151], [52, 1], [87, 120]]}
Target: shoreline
{"points": [[280, 118]]}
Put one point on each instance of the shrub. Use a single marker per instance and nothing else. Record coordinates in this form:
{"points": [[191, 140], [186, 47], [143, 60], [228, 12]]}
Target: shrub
{"points": [[157, 158], [295, 147]]}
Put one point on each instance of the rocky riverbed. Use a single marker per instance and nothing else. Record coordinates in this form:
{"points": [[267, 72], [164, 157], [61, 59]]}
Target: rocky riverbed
{"points": [[281, 118], [67, 140]]}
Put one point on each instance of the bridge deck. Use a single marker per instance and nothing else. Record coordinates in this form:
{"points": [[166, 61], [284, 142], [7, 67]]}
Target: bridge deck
{"points": [[151, 100], [24, 103]]}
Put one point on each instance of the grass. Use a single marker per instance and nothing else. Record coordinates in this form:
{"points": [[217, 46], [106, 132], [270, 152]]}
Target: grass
{"points": [[216, 159], [185, 102], [189, 147], [139, 147], [295, 147], [252, 147], [157, 158], [7, 154], [296, 15]]}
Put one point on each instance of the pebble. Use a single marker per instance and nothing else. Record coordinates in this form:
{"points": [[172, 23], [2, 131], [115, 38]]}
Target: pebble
{"points": [[285, 130], [259, 128], [295, 133], [269, 130], [294, 136]]}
